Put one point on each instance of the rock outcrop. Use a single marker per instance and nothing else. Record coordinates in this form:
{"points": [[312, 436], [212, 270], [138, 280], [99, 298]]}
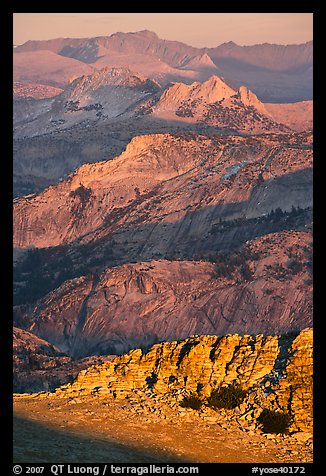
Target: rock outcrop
{"points": [[265, 287], [248, 98], [103, 95], [215, 103], [274, 371], [185, 183], [122, 77], [40, 366], [210, 91]]}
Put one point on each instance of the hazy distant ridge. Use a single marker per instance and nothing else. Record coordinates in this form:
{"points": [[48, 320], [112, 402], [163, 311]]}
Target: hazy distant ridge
{"points": [[276, 73]]}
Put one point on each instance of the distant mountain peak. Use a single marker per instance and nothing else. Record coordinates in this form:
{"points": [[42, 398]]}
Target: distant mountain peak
{"points": [[111, 89], [215, 89], [147, 33], [230, 44], [210, 91], [112, 76], [205, 57], [144, 33], [201, 61], [248, 98]]}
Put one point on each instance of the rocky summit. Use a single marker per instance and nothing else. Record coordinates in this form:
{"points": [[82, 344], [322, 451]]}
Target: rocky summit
{"points": [[97, 114]]}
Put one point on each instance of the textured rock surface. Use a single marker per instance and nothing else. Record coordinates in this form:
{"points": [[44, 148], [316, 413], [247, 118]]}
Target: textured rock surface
{"points": [[97, 101], [34, 90], [106, 94], [214, 103], [248, 98], [39, 366], [210, 91], [140, 304], [185, 183], [276, 372], [296, 389]]}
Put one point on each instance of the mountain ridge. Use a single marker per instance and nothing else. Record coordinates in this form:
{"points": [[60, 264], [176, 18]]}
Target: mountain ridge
{"points": [[56, 44], [208, 103], [289, 66], [134, 305], [162, 161]]}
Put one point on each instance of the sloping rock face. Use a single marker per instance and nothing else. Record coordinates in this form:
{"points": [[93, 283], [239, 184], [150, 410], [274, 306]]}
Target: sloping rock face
{"points": [[39, 366], [166, 196], [34, 90], [269, 56], [276, 73], [268, 288], [46, 67], [248, 98], [276, 372], [200, 62], [172, 185], [106, 94], [31, 355], [123, 77], [298, 116], [214, 103]]}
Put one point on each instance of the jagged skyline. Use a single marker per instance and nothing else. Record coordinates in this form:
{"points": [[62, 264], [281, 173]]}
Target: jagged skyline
{"points": [[198, 29]]}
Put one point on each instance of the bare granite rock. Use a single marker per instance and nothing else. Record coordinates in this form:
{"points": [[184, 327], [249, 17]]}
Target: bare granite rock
{"points": [[169, 371]]}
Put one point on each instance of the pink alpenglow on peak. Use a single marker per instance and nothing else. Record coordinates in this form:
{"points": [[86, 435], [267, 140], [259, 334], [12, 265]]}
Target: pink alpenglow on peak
{"points": [[248, 98], [215, 89], [210, 91]]}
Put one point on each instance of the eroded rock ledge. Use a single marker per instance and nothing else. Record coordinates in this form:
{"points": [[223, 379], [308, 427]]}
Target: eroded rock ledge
{"points": [[276, 372]]}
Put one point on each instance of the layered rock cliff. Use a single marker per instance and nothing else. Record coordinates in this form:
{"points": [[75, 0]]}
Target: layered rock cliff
{"points": [[274, 371]]}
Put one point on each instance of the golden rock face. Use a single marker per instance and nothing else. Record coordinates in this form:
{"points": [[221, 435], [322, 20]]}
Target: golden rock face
{"points": [[275, 371]]}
